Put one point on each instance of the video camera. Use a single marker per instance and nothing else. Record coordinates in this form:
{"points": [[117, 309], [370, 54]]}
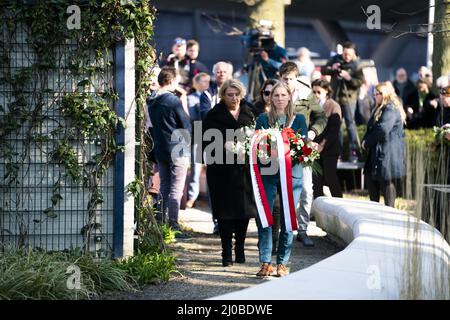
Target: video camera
{"points": [[259, 39]]}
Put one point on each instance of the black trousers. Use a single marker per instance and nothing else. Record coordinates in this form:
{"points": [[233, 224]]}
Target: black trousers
{"points": [[328, 177], [227, 228], [384, 187]]}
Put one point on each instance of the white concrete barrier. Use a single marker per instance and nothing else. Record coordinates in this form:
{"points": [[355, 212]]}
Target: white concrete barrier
{"points": [[390, 255]]}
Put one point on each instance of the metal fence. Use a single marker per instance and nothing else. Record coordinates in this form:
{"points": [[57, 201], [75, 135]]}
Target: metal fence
{"points": [[40, 205]]}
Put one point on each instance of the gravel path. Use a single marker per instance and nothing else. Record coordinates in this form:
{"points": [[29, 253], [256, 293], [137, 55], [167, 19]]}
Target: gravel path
{"points": [[199, 261]]}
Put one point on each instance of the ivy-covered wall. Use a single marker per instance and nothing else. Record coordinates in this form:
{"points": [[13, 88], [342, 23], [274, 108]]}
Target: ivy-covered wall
{"points": [[58, 120]]}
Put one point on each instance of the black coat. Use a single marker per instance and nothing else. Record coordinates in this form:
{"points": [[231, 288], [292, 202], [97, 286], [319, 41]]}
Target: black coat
{"points": [[332, 135], [385, 141], [423, 117], [230, 187], [407, 90]]}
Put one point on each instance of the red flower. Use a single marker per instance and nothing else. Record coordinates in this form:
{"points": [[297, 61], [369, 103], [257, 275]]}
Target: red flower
{"points": [[289, 132], [306, 151]]}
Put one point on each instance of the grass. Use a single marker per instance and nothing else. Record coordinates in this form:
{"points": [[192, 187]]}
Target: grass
{"points": [[36, 275]]}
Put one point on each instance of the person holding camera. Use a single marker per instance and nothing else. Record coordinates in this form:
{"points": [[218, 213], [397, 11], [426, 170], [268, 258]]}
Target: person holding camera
{"points": [[346, 79], [271, 58]]}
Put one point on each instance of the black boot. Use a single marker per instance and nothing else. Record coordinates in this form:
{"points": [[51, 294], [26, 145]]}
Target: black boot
{"points": [[239, 254], [226, 236]]}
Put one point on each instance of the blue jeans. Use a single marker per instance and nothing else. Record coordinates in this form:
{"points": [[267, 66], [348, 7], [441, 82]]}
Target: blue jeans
{"points": [[173, 178], [271, 184], [194, 177]]}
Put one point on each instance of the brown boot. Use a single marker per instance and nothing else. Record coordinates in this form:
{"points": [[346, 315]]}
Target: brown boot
{"points": [[281, 270], [266, 270]]}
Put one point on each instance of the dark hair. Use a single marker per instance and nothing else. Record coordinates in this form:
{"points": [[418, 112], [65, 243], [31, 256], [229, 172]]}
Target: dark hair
{"points": [[167, 75], [289, 67], [421, 81], [324, 84], [349, 45], [192, 43], [271, 82]]}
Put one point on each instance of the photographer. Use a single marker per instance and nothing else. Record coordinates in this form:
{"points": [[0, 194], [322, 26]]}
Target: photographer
{"points": [[346, 79], [263, 50], [272, 58]]}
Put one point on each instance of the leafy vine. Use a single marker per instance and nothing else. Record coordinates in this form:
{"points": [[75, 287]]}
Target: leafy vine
{"points": [[72, 122]]}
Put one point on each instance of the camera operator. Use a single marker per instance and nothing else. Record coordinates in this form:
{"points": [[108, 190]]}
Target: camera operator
{"points": [[346, 79], [271, 59]]}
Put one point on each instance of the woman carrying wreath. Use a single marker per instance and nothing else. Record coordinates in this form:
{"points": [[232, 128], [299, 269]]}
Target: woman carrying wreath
{"points": [[281, 115]]}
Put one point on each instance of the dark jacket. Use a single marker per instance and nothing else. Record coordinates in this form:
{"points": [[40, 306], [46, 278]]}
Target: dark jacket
{"points": [[167, 114], [408, 88], [230, 186], [208, 99], [424, 116], [330, 137], [385, 142], [344, 92], [442, 116]]}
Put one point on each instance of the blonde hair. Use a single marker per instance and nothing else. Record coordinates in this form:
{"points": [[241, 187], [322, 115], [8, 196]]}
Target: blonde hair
{"points": [[289, 111], [232, 83], [389, 97]]}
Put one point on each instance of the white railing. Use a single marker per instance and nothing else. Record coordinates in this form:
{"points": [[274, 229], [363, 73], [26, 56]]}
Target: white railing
{"points": [[389, 255]]}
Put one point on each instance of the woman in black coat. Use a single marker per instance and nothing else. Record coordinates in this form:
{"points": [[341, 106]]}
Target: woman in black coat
{"points": [[229, 184], [384, 141], [329, 141]]}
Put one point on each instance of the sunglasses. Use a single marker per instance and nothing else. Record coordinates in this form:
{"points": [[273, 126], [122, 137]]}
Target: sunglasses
{"points": [[267, 93]]}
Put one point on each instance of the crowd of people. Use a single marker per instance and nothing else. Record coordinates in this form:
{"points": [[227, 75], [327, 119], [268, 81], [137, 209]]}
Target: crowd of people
{"points": [[311, 101]]}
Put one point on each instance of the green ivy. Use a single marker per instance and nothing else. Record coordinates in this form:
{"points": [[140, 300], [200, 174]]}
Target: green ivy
{"points": [[88, 110]]}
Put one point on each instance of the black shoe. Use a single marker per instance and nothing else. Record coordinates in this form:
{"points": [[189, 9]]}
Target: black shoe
{"points": [[182, 235], [303, 237], [227, 263]]}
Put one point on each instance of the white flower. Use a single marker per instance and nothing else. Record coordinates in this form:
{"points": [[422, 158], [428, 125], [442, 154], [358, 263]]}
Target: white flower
{"points": [[305, 159], [249, 132], [230, 146]]}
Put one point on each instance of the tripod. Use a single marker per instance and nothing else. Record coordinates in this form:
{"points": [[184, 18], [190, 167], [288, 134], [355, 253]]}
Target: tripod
{"points": [[256, 76]]}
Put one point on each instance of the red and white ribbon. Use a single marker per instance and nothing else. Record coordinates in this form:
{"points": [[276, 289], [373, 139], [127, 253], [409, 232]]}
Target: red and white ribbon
{"points": [[285, 169], [262, 205]]}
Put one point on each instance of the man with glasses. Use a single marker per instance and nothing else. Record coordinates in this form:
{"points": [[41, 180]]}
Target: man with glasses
{"points": [[444, 108]]}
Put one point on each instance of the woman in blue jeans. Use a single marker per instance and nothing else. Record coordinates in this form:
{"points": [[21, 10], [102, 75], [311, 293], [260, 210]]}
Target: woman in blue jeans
{"points": [[281, 115]]}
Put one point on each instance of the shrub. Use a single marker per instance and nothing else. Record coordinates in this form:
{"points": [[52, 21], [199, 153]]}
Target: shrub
{"points": [[32, 274], [150, 268]]}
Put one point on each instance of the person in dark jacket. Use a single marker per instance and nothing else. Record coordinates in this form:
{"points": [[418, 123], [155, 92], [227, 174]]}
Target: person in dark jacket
{"points": [[346, 79], [229, 184], [281, 115], [171, 133], [384, 141], [402, 85], [329, 141], [443, 116], [421, 106], [262, 103], [222, 71]]}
